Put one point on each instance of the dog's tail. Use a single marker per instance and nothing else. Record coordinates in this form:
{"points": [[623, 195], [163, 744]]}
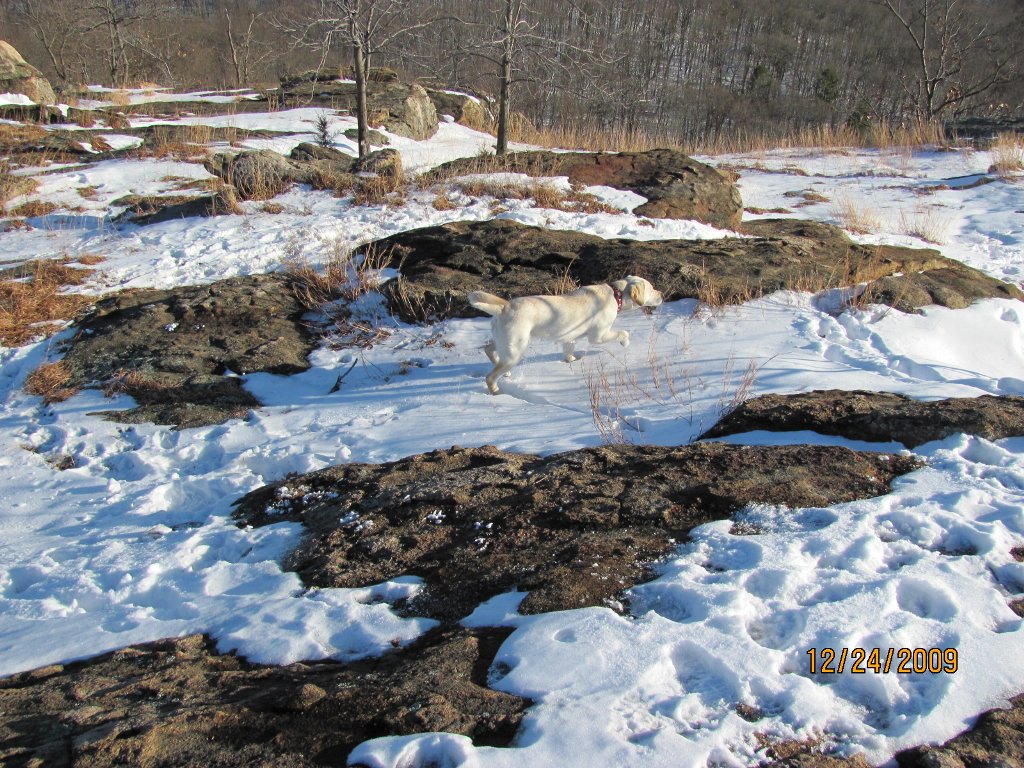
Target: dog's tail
{"points": [[487, 302]]}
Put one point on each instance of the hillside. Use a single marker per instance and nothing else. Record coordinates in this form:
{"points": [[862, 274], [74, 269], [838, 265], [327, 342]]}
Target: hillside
{"points": [[259, 518]]}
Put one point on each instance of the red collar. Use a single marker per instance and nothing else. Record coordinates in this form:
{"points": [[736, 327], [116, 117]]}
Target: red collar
{"points": [[618, 297]]}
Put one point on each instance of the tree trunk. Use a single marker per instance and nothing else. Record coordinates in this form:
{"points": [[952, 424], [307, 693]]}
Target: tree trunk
{"points": [[362, 127]]}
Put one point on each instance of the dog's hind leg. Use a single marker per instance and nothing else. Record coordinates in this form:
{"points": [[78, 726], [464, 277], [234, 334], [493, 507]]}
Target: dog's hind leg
{"points": [[490, 349], [569, 348]]}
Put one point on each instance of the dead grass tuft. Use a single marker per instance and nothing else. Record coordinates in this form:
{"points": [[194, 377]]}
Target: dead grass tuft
{"points": [[383, 189], [51, 381], [1007, 155], [32, 298], [926, 223], [855, 217], [33, 208]]}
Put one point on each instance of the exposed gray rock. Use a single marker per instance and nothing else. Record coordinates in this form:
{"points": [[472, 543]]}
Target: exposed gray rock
{"points": [[383, 162], [405, 110], [879, 416], [376, 138], [441, 264], [574, 529], [465, 109], [179, 703], [676, 186], [258, 174], [174, 350]]}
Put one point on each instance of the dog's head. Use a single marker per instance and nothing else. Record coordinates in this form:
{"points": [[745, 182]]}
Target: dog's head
{"points": [[637, 291]]}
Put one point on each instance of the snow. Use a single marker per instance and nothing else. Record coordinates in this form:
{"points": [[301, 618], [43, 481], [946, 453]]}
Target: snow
{"points": [[135, 540], [16, 99]]}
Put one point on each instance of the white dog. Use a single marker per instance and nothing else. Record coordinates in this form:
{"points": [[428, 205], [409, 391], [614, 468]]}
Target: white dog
{"points": [[588, 311]]}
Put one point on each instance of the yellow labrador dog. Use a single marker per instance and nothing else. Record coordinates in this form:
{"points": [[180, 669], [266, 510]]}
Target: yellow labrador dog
{"points": [[588, 311]]}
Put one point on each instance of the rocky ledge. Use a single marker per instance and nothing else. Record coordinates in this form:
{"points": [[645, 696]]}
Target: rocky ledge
{"points": [[574, 529], [676, 186], [876, 416], [178, 352], [441, 264]]}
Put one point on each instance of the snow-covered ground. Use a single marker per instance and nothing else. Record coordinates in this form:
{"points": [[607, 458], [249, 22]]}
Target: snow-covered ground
{"points": [[135, 541]]}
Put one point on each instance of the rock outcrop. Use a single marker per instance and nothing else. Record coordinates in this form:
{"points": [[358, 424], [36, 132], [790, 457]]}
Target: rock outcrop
{"points": [[676, 186], [877, 416], [179, 703], [405, 110], [441, 264], [574, 529], [18, 76], [178, 352], [464, 109]]}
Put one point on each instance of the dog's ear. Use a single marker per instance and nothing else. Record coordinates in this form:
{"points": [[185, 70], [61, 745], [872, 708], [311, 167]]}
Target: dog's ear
{"points": [[637, 295]]}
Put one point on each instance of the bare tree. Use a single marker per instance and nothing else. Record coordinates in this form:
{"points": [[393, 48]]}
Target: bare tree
{"points": [[515, 43], [57, 25], [959, 54], [245, 50], [365, 27]]}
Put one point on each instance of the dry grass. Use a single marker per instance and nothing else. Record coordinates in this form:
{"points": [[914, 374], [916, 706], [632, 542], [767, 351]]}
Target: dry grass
{"points": [[87, 193], [442, 202], [120, 99], [927, 223], [1007, 155], [343, 275], [33, 208], [272, 208], [383, 189], [32, 300], [854, 217], [90, 259], [877, 134], [51, 381], [17, 136], [84, 119], [136, 384], [543, 194]]}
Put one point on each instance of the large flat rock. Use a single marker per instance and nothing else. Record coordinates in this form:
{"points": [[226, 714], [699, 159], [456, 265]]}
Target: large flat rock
{"points": [[440, 265], [179, 352], [574, 529], [878, 416]]}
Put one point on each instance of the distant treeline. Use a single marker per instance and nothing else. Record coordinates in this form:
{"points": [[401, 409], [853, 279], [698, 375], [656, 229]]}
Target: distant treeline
{"points": [[692, 69]]}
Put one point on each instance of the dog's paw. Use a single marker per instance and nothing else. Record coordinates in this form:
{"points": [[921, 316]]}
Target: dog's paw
{"points": [[624, 338], [571, 358]]}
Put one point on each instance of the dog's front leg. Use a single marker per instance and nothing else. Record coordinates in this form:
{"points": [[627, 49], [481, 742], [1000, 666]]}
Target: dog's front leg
{"points": [[607, 334]]}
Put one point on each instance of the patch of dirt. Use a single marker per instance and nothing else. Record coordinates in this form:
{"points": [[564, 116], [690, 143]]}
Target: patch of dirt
{"points": [[179, 352], [876, 416], [574, 529], [179, 703], [440, 265]]}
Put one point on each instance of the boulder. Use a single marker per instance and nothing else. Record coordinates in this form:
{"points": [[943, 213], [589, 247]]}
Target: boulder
{"points": [[464, 109], [405, 110], [18, 76], [258, 174], [676, 186], [441, 264], [474, 523], [376, 138], [179, 352], [383, 162], [878, 416], [263, 174]]}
